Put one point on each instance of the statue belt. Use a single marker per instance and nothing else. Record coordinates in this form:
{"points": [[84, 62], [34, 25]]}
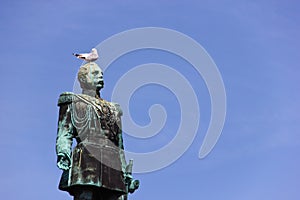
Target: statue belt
{"points": [[102, 141]]}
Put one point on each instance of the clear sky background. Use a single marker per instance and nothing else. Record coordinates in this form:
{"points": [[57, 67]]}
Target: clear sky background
{"points": [[255, 45]]}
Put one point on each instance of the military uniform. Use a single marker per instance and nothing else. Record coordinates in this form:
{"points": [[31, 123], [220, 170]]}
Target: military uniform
{"points": [[97, 161]]}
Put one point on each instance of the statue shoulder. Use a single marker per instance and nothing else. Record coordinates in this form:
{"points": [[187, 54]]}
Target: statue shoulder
{"points": [[117, 108], [65, 98]]}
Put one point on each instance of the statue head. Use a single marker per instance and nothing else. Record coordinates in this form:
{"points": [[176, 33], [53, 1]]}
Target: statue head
{"points": [[90, 77]]}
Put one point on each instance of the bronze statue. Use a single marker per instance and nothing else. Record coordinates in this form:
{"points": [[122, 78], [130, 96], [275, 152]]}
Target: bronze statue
{"points": [[96, 168]]}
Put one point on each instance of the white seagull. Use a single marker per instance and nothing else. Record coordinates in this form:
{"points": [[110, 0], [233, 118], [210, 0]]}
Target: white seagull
{"points": [[89, 57]]}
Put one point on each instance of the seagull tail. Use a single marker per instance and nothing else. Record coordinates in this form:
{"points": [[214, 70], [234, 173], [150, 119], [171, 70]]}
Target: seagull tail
{"points": [[78, 55]]}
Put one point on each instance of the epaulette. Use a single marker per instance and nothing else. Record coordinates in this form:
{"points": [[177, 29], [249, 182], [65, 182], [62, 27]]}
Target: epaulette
{"points": [[66, 97], [118, 108]]}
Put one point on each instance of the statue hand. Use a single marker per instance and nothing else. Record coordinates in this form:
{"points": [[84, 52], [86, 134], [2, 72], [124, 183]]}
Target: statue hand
{"points": [[63, 163], [132, 184], [128, 177]]}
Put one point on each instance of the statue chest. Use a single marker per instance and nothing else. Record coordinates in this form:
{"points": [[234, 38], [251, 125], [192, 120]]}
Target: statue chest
{"points": [[94, 119]]}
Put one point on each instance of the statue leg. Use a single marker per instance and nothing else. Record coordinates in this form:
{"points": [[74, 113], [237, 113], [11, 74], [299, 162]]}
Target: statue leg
{"points": [[84, 195], [112, 197], [123, 197], [107, 195]]}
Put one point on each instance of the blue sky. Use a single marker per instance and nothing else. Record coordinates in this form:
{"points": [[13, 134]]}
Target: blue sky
{"points": [[255, 45]]}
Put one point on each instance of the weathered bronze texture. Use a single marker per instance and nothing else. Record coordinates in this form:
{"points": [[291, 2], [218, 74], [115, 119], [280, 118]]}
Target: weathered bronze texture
{"points": [[96, 167]]}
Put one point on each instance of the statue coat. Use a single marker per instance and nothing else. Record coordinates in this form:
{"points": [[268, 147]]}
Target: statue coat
{"points": [[97, 160]]}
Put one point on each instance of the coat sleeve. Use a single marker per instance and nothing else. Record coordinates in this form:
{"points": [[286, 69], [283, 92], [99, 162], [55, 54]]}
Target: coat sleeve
{"points": [[119, 114], [65, 128]]}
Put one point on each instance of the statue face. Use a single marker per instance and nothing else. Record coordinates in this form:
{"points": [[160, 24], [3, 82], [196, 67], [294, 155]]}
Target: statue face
{"points": [[94, 79]]}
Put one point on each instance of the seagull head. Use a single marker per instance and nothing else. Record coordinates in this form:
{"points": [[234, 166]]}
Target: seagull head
{"points": [[94, 50]]}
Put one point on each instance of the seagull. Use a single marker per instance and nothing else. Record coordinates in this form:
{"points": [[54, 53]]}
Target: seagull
{"points": [[89, 57]]}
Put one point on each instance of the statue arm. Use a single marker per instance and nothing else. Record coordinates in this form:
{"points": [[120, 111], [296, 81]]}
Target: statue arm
{"points": [[121, 146], [119, 114], [64, 137], [122, 154], [131, 183]]}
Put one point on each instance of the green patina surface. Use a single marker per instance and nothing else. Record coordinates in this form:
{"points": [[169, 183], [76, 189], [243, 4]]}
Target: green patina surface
{"points": [[97, 165]]}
